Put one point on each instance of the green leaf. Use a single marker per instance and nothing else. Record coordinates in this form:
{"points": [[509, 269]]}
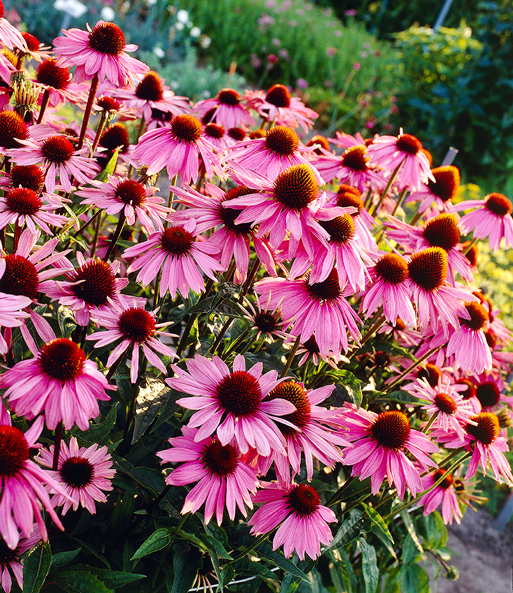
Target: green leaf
{"points": [[109, 169], [157, 541], [351, 384], [289, 584], [62, 558], [220, 549], [411, 530], [80, 581], [369, 566], [152, 396], [348, 531], [377, 519], [93, 549], [279, 560], [35, 567], [415, 580], [186, 563], [66, 321], [98, 433], [116, 578]]}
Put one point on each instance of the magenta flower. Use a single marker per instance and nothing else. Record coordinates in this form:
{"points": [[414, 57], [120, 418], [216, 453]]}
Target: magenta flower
{"points": [[379, 446], [491, 219], [11, 313], [57, 81], [225, 109], [83, 473], [304, 521], [439, 192], [10, 560], [444, 494], [9, 35], [181, 148], [224, 480], [98, 51], [178, 255], [230, 403], [127, 320], [59, 383], [266, 321]]}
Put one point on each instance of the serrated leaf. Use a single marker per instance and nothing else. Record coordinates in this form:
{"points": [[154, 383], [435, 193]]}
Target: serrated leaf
{"points": [[152, 396], [279, 560], [116, 578], [35, 567], [62, 558], [158, 540], [369, 566], [80, 581], [348, 531]]}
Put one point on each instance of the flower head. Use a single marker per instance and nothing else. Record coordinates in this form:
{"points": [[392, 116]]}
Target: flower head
{"points": [[444, 494], [11, 561], [226, 109]]}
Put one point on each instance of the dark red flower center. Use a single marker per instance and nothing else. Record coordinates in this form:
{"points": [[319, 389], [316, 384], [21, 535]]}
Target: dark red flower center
{"points": [[6, 554], [136, 324], [491, 339], [478, 316], [176, 240], [278, 95], [448, 480], [347, 199], [23, 201], [470, 391], [209, 116], [381, 359], [321, 141], [77, 472], [431, 373], [131, 192], [52, 75], [31, 41], [12, 129], [266, 321], [447, 182], [214, 130], [488, 394], [228, 97], [57, 149], [327, 290], [296, 395], [186, 128], [428, 268], [107, 38], [229, 215], [391, 429], [487, 429], [472, 253], [108, 103], [14, 450], [62, 360], [239, 394], [29, 176], [20, 277], [341, 229], [115, 136], [281, 140], [237, 134], [296, 187], [355, 158], [304, 500], [150, 88], [311, 345], [96, 283], [445, 403], [409, 144], [442, 231], [498, 204], [391, 268], [219, 460]]}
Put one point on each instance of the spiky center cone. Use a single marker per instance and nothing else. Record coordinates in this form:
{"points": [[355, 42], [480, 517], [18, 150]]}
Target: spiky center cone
{"points": [[391, 268], [340, 229], [219, 460], [294, 393], [57, 149], [391, 429], [176, 240], [77, 472], [303, 500], [23, 201], [107, 38], [498, 204], [488, 394], [431, 373], [214, 131], [150, 88], [131, 192], [445, 403], [470, 391], [428, 268], [28, 176], [61, 359], [52, 75], [448, 480], [442, 231], [487, 429], [347, 198], [186, 128], [278, 95], [12, 129], [296, 187], [229, 215], [2, 10], [327, 290], [20, 277], [115, 136], [237, 134], [321, 141], [96, 283], [228, 97], [137, 325], [281, 140], [14, 450], [31, 41], [266, 321], [478, 316], [239, 394], [447, 182], [108, 103], [355, 158], [409, 144]]}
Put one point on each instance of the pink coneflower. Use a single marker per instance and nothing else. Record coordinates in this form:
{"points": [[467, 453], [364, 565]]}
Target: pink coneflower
{"points": [[225, 109], [391, 151], [23, 206], [59, 382], [379, 446], [310, 350], [31, 177], [126, 319], [178, 255], [57, 81], [304, 521], [99, 51], [151, 94], [230, 403], [6, 69], [271, 155], [232, 240], [439, 192], [488, 392], [23, 485], [83, 473], [224, 481], [133, 198], [444, 494], [88, 287], [60, 160], [266, 321], [216, 135], [310, 309], [10, 560], [346, 140], [491, 218], [9, 35], [180, 147], [13, 130], [11, 314]]}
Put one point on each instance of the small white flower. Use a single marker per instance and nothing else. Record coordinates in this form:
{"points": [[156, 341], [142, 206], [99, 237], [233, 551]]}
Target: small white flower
{"points": [[182, 16], [206, 93], [107, 13], [159, 52], [195, 32], [205, 41], [174, 85], [179, 26]]}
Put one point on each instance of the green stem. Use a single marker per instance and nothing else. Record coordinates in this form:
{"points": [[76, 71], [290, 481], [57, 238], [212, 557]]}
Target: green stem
{"points": [[235, 343], [192, 318], [387, 188], [254, 546], [412, 367], [86, 224], [96, 235], [400, 200], [117, 233], [469, 247], [429, 423], [290, 358]]}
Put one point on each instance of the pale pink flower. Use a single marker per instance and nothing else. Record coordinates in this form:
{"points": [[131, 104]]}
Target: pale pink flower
{"points": [[10, 560], [439, 192], [9, 35], [266, 321], [444, 494], [225, 108], [57, 81]]}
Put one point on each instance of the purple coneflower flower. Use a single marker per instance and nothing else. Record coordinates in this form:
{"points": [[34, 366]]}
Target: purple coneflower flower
{"points": [[9, 35], [439, 192], [225, 109], [444, 494], [10, 560]]}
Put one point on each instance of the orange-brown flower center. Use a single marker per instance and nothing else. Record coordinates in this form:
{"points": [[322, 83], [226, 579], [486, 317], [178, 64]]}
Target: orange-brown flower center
{"points": [[355, 158], [186, 128], [281, 140], [428, 268], [498, 204], [304, 500], [391, 268], [14, 450], [296, 395], [176, 240], [150, 88], [442, 231], [107, 38], [408, 143], [391, 429], [487, 429], [296, 187], [447, 182], [52, 75], [136, 324], [278, 95], [239, 393]]}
